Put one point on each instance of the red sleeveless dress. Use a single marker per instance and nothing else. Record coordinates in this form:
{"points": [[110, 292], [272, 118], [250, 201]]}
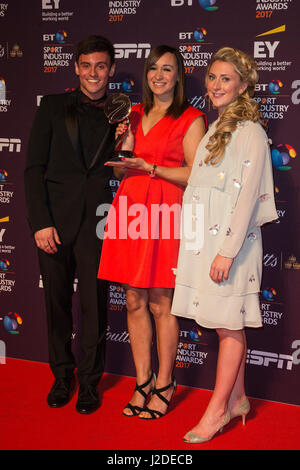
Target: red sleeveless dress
{"points": [[141, 242]]}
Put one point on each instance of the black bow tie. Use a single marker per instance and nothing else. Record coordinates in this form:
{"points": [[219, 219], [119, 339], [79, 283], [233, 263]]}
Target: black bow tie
{"points": [[97, 103]]}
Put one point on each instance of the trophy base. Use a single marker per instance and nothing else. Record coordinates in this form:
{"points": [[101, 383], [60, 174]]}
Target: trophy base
{"points": [[119, 154]]}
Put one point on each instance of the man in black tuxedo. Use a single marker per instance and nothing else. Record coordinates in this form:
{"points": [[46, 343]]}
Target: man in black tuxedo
{"points": [[65, 182]]}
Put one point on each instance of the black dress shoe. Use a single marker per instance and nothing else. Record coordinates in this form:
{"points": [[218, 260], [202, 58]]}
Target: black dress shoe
{"points": [[88, 399], [61, 392]]}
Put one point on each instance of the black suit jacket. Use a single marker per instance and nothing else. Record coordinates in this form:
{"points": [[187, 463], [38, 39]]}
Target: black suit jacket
{"points": [[59, 187]]}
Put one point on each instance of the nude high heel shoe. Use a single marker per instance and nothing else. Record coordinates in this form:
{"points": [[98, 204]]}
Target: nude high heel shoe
{"points": [[242, 410], [195, 439]]}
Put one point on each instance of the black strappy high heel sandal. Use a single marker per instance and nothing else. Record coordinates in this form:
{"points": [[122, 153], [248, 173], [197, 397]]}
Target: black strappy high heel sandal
{"points": [[155, 414], [136, 410]]}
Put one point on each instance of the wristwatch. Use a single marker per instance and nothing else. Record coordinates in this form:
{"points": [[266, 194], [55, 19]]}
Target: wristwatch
{"points": [[152, 171]]}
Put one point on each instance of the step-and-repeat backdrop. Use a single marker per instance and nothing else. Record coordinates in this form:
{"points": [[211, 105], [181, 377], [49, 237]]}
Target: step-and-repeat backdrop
{"points": [[37, 40]]}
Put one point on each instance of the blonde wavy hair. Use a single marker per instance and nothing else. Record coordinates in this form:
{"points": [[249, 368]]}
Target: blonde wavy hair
{"points": [[243, 108]]}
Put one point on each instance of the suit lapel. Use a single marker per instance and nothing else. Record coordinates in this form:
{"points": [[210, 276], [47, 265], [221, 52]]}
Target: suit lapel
{"points": [[71, 120], [101, 147]]}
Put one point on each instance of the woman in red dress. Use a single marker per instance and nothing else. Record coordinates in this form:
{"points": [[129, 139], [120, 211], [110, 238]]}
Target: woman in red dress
{"points": [[141, 241]]}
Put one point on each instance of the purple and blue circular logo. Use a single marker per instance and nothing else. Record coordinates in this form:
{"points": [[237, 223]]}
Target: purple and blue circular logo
{"points": [[3, 176], [12, 323], [199, 34], [195, 334], [209, 5], [127, 85], [274, 86], [281, 156], [4, 264], [269, 294], [61, 36]]}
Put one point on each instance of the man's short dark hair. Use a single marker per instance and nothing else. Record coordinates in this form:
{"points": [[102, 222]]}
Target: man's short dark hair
{"points": [[95, 43]]}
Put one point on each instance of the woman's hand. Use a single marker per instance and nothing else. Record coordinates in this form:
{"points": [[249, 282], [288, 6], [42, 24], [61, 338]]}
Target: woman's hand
{"points": [[124, 128], [132, 163], [220, 267]]}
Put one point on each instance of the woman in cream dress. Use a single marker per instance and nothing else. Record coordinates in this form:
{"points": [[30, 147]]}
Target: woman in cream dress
{"points": [[228, 197]]}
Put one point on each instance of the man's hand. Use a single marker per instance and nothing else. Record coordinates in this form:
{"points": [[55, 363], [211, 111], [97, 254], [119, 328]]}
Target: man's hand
{"points": [[220, 268], [46, 239]]}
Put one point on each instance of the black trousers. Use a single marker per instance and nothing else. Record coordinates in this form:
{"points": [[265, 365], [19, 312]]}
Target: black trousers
{"points": [[58, 271]]}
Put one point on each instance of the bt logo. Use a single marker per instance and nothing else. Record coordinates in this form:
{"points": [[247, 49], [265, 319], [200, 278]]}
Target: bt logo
{"points": [[281, 156], [198, 35], [4, 264], [3, 175], [274, 86], [60, 37], [195, 334], [209, 5], [269, 294], [126, 85], [12, 322]]}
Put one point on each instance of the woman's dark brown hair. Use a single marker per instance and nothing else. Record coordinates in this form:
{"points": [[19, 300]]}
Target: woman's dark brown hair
{"points": [[180, 102]]}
